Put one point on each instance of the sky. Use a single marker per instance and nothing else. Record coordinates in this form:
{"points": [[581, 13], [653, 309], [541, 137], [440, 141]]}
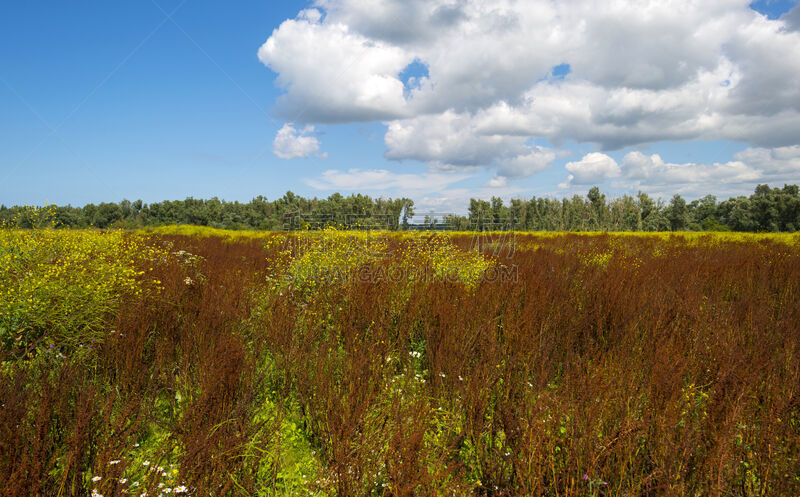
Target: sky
{"points": [[436, 100]]}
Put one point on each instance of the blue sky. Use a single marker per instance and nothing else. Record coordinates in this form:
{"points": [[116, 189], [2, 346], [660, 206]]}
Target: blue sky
{"points": [[101, 101]]}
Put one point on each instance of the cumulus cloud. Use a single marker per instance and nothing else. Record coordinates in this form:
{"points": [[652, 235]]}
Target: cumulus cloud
{"points": [[641, 171], [382, 179], [333, 74], [497, 182], [652, 170], [452, 140], [592, 169], [290, 143], [776, 163], [530, 161], [640, 72]]}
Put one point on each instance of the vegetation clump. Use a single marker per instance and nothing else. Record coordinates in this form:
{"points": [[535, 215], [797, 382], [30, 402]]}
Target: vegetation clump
{"points": [[59, 288]]}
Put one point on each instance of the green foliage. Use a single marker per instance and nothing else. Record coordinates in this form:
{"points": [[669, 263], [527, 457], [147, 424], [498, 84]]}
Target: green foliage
{"points": [[59, 287], [288, 212], [767, 210], [446, 261], [285, 462], [331, 255]]}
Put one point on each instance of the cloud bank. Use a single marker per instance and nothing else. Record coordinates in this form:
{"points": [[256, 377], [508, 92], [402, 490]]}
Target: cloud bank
{"points": [[630, 73], [640, 171]]}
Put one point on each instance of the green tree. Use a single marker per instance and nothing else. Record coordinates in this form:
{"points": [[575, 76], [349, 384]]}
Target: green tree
{"points": [[677, 213]]}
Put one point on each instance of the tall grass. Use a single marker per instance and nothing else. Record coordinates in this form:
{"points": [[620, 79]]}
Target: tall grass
{"points": [[501, 365]]}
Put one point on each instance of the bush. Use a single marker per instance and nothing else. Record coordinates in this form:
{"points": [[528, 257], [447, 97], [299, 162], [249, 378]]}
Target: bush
{"points": [[57, 288]]}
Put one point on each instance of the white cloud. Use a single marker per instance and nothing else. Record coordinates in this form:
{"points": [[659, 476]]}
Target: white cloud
{"points": [[291, 144], [453, 140], [497, 182], [641, 71], [311, 15], [333, 74], [593, 168], [652, 170], [640, 171], [381, 179], [776, 163], [532, 160]]}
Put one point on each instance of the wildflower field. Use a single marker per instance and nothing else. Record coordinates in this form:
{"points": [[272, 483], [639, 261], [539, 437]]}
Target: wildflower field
{"points": [[189, 361]]}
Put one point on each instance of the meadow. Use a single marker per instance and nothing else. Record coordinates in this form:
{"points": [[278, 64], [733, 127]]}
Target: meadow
{"points": [[192, 361]]}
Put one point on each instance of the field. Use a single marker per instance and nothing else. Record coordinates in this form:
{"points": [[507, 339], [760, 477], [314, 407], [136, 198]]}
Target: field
{"points": [[192, 361]]}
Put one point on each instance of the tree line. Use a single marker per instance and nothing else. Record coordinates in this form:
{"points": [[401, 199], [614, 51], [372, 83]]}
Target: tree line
{"points": [[766, 210], [288, 212]]}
